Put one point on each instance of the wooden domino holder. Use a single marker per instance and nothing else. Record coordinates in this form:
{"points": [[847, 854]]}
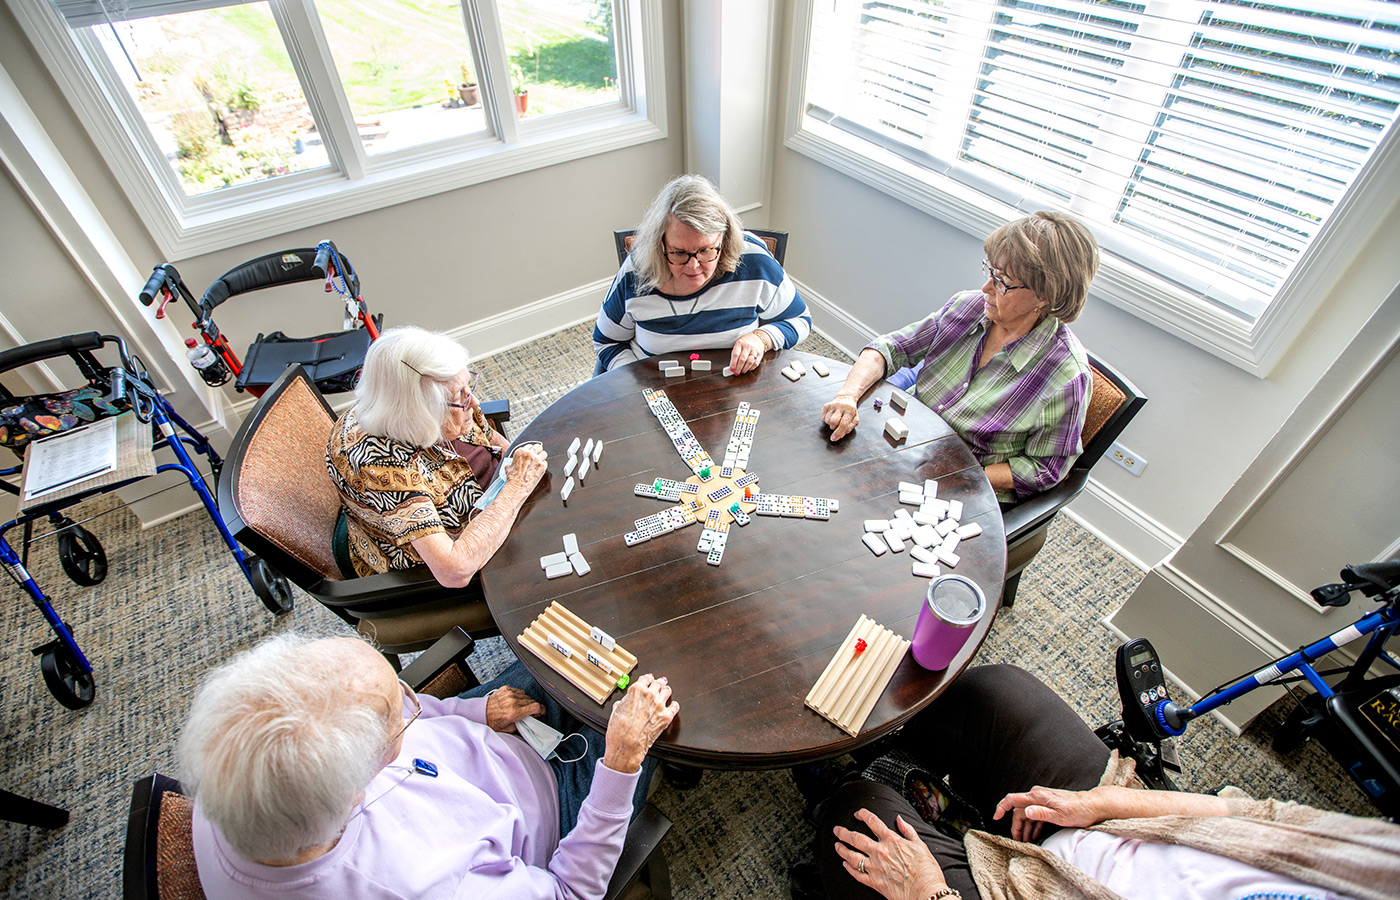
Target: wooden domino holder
{"points": [[847, 690], [582, 674]]}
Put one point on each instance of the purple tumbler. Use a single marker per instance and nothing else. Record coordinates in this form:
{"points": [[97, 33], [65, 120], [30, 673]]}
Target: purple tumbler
{"points": [[955, 604]]}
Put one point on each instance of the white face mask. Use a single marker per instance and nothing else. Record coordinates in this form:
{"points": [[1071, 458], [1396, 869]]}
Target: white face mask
{"points": [[545, 740]]}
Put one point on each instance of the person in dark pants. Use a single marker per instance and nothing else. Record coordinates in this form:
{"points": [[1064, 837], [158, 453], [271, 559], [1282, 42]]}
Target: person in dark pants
{"points": [[1036, 782]]}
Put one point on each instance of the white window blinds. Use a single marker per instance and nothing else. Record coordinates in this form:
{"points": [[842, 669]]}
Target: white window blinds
{"points": [[1204, 141]]}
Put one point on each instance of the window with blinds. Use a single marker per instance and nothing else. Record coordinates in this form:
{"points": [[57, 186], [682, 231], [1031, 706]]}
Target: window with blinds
{"points": [[1204, 140]]}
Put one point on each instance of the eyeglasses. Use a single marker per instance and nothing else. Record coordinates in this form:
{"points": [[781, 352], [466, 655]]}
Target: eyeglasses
{"points": [[683, 257], [1001, 285], [412, 709], [471, 391]]}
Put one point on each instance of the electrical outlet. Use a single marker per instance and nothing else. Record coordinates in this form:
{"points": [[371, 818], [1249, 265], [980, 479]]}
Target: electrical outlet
{"points": [[1127, 458]]}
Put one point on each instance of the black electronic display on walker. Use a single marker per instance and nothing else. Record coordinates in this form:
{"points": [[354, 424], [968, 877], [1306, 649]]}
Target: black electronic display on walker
{"points": [[1141, 687]]}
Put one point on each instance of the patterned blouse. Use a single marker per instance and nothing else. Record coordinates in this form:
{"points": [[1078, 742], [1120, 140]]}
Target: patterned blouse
{"points": [[393, 493]]}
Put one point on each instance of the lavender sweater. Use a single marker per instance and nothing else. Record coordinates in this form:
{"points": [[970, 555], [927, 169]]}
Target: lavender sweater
{"points": [[487, 826]]}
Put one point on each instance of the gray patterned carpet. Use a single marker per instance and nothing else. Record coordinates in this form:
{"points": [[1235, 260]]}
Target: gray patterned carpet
{"points": [[174, 604]]}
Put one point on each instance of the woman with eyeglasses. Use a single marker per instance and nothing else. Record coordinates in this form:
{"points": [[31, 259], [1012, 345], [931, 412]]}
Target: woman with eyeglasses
{"points": [[695, 280], [413, 455], [1000, 364], [318, 775]]}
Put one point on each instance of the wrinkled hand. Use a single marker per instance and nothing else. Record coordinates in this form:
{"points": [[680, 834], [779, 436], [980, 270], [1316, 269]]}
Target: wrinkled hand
{"points": [[840, 414], [747, 353], [508, 705], [528, 464], [1032, 809], [637, 720], [899, 866]]}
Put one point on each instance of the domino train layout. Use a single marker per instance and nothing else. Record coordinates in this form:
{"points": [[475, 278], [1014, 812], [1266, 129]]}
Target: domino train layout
{"points": [[724, 501], [935, 529]]}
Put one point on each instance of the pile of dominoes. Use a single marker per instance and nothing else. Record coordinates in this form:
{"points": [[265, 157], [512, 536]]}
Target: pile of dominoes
{"points": [[934, 529], [795, 370], [672, 368], [557, 565], [685, 442], [592, 452]]}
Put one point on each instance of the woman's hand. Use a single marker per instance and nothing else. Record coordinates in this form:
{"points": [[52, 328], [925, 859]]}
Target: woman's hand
{"points": [[747, 354], [1080, 809], [1032, 809], [637, 720], [528, 464], [899, 866], [507, 705], [841, 415]]}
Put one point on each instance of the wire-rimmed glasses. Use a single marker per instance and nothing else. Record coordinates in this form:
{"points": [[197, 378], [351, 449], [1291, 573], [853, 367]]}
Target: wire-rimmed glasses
{"points": [[1001, 285]]}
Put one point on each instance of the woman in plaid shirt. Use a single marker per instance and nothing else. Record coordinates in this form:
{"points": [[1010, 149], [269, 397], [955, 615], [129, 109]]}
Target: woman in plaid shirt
{"points": [[1000, 364]]}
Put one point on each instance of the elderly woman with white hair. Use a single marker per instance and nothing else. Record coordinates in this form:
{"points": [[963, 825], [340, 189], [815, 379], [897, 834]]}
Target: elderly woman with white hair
{"points": [[317, 773], [412, 457], [695, 279]]}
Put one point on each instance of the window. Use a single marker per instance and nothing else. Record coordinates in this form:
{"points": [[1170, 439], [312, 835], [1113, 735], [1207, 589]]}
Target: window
{"points": [[225, 119], [1207, 142]]}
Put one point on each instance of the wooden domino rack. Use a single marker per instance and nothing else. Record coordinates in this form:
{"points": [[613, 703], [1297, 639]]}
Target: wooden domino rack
{"points": [[558, 622], [846, 692]]}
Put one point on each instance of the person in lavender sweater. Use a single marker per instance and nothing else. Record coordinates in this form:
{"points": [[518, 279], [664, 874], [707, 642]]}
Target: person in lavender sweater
{"points": [[317, 773], [1000, 364]]}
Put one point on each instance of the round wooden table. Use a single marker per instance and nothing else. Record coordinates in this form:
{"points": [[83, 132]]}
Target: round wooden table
{"points": [[741, 643]]}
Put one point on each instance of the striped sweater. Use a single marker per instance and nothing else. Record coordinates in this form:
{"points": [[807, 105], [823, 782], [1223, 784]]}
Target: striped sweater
{"points": [[758, 294]]}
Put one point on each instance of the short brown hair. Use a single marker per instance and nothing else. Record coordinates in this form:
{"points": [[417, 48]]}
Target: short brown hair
{"points": [[1053, 254], [696, 203]]}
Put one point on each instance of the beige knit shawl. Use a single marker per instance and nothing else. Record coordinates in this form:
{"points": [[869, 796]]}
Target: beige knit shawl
{"points": [[1352, 856]]}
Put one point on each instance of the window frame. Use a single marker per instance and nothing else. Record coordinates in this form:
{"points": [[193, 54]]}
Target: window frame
{"points": [[1256, 348], [184, 226]]}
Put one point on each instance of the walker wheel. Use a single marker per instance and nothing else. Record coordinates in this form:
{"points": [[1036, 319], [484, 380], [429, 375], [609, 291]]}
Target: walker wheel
{"points": [[271, 586], [68, 681], [82, 556]]}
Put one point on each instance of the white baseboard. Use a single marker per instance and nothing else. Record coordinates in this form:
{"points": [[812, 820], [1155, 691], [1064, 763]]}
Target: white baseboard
{"points": [[1127, 529], [832, 322]]}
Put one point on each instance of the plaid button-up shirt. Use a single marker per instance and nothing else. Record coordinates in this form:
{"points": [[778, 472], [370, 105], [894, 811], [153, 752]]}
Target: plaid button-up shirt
{"points": [[1025, 407]]}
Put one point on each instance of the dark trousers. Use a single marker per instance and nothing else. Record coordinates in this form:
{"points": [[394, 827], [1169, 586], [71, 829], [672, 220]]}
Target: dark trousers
{"points": [[997, 730]]}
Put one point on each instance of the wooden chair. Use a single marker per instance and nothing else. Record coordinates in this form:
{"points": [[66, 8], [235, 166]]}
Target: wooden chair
{"points": [[159, 861], [776, 242], [278, 500], [1113, 402]]}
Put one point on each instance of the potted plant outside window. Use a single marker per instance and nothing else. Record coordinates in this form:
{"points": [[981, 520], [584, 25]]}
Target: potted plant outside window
{"points": [[518, 86], [466, 88]]}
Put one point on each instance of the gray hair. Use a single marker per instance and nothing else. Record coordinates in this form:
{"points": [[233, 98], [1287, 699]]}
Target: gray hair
{"points": [[402, 392], [1054, 254], [277, 751], [693, 201]]}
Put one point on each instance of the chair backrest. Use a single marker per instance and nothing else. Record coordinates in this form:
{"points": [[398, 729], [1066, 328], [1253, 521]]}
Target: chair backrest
{"points": [[1113, 401], [775, 241], [275, 494], [159, 860]]}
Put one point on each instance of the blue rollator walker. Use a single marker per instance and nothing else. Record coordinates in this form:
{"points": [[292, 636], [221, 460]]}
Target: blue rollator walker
{"points": [[1356, 719], [109, 391]]}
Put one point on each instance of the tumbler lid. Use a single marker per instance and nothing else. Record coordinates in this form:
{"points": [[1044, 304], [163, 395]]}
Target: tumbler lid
{"points": [[956, 599]]}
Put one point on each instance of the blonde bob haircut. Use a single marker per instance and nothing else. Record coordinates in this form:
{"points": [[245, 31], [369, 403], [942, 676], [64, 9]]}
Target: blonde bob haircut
{"points": [[402, 391], [278, 745], [1051, 253], [693, 201]]}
